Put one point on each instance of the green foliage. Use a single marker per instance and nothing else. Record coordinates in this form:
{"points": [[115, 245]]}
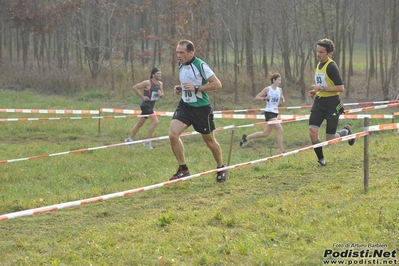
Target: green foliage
{"points": [[285, 211]]}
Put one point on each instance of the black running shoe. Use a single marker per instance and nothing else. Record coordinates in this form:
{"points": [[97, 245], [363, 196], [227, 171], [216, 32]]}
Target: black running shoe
{"points": [[351, 141], [221, 176], [243, 139], [180, 173]]}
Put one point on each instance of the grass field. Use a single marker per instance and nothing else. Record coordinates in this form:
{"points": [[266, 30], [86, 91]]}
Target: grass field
{"points": [[287, 211]]}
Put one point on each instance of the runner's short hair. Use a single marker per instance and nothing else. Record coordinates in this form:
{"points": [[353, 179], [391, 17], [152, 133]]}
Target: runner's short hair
{"points": [[327, 43], [274, 77], [189, 44]]}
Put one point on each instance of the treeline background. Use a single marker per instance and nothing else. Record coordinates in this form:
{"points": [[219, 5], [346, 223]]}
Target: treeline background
{"points": [[68, 46]]}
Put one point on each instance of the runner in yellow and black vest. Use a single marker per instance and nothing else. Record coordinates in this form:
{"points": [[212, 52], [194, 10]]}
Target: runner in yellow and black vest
{"points": [[327, 104]]}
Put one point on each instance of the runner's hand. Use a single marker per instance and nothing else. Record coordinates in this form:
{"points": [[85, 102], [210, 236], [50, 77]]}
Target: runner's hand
{"points": [[177, 89]]}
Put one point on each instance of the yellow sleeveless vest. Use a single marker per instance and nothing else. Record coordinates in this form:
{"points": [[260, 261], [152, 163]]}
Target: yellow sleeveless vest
{"points": [[321, 78]]}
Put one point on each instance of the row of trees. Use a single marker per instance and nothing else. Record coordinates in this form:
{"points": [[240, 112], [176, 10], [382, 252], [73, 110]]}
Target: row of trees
{"points": [[239, 37]]}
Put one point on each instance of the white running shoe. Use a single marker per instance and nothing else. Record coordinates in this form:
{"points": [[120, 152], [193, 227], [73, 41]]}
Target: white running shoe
{"points": [[148, 145], [129, 140]]}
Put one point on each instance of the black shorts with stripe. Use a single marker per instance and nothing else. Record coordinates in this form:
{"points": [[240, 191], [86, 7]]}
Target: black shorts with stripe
{"points": [[328, 108], [201, 118]]}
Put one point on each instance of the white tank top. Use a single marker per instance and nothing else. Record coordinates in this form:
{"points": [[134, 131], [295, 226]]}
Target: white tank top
{"points": [[274, 101]]}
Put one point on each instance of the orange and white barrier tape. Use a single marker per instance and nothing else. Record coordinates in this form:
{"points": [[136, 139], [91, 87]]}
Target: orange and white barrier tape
{"points": [[225, 116], [274, 122], [303, 117], [287, 118], [103, 147], [260, 109], [72, 118], [300, 107], [49, 111], [128, 111], [371, 103], [142, 189], [141, 141], [371, 108], [383, 127], [120, 111], [372, 116]]}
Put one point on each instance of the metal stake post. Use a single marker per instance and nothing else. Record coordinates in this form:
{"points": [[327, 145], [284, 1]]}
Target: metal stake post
{"points": [[366, 154]]}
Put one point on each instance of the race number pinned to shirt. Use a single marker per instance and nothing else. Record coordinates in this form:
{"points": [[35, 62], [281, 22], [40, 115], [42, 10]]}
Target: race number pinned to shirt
{"points": [[154, 96], [190, 96], [320, 79]]}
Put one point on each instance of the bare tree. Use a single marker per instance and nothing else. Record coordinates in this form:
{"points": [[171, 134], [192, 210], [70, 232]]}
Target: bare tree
{"points": [[38, 18], [248, 7], [382, 47], [231, 29], [394, 72], [371, 71], [264, 32], [303, 46]]}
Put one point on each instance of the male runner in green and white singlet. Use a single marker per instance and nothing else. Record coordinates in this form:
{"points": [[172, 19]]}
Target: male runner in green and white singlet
{"points": [[196, 79]]}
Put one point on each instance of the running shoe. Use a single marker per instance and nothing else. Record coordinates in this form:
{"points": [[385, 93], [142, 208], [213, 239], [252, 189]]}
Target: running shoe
{"points": [[221, 176], [148, 145], [322, 162], [129, 140], [243, 139], [351, 141], [180, 173]]}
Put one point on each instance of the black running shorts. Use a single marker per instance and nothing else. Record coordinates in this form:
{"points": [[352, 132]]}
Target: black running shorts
{"points": [[200, 117], [146, 109], [328, 108], [270, 115]]}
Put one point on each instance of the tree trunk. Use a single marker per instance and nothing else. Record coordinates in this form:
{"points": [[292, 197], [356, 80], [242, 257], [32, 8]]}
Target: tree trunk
{"points": [[394, 73], [249, 47]]}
